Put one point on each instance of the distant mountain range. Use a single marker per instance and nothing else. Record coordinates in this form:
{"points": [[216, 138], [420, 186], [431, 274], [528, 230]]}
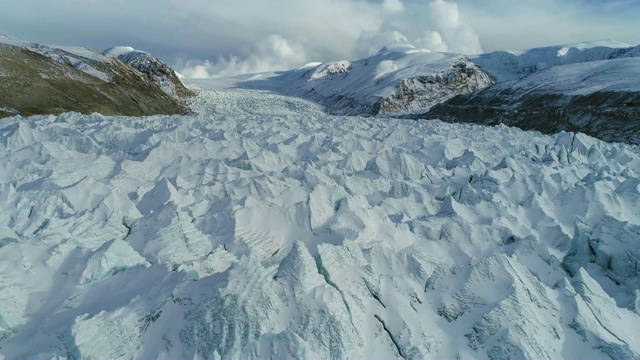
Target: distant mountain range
{"points": [[590, 88], [587, 87], [399, 79]]}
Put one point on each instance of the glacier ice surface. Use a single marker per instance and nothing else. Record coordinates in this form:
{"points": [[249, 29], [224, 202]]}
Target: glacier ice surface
{"points": [[264, 228]]}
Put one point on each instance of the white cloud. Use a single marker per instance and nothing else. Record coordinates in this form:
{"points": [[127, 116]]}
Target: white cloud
{"points": [[431, 40], [273, 53], [442, 29], [512, 24], [393, 6], [455, 36], [371, 42], [444, 14]]}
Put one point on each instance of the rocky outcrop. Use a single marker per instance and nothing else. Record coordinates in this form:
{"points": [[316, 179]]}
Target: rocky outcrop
{"points": [[423, 92], [155, 70]]}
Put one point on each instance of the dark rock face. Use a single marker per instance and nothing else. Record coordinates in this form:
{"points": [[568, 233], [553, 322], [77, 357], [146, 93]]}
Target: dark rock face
{"points": [[426, 91], [57, 81], [607, 108]]}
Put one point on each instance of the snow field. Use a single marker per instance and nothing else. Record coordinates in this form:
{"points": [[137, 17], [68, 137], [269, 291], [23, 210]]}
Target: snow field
{"points": [[265, 228]]}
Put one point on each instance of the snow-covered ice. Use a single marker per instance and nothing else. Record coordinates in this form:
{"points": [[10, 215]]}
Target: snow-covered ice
{"points": [[264, 228]]}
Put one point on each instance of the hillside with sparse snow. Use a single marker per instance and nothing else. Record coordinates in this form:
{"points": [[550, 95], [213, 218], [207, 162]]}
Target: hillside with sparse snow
{"points": [[43, 79]]}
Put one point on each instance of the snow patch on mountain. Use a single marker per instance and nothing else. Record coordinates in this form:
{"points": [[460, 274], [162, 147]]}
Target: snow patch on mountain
{"points": [[80, 58], [119, 50], [100, 64]]}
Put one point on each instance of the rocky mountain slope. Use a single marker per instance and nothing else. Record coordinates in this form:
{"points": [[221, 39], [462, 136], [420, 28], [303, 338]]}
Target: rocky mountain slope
{"points": [[600, 98], [155, 70], [264, 228], [398, 79], [39, 79]]}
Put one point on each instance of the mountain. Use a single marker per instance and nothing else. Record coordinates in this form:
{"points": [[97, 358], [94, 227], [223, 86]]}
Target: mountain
{"points": [[598, 98], [510, 65], [403, 80], [41, 79], [398, 79], [153, 68], [264, 228]]}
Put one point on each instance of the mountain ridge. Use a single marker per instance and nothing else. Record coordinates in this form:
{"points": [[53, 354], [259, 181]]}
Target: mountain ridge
{"points": [[51, 80], [599, 98]]}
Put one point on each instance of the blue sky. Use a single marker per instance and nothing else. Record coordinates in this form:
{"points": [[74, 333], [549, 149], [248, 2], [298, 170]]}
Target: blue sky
{"points": [[224, 37]]}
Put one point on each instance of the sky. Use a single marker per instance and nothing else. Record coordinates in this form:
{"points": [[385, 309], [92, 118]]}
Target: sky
{"points": [[213, 38]]}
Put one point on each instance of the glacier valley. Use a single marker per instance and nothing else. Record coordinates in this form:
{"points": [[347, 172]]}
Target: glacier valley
{"points": [[263, 227]]}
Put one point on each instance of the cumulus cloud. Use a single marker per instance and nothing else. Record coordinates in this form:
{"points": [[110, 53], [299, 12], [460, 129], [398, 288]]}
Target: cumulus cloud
{"points": [[393, 6], [449, 31], [304, 31], [431, 40], [442, 30], [273, 53]]}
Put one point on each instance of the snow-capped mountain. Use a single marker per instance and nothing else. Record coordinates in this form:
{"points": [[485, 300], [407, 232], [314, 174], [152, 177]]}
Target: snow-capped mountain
{"points": [[265, 228], [155, 69], [398, 79], [510, 65], [43, 79], [599, 98], [404, 80]]}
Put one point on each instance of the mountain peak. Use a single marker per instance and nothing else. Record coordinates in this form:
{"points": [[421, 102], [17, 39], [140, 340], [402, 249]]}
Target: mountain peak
{"points": [[398, 47], [153, 68], [119, 50]]}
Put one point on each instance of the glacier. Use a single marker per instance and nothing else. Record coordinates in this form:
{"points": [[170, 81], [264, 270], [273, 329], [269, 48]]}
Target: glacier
{"points": [[264, 228]]}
